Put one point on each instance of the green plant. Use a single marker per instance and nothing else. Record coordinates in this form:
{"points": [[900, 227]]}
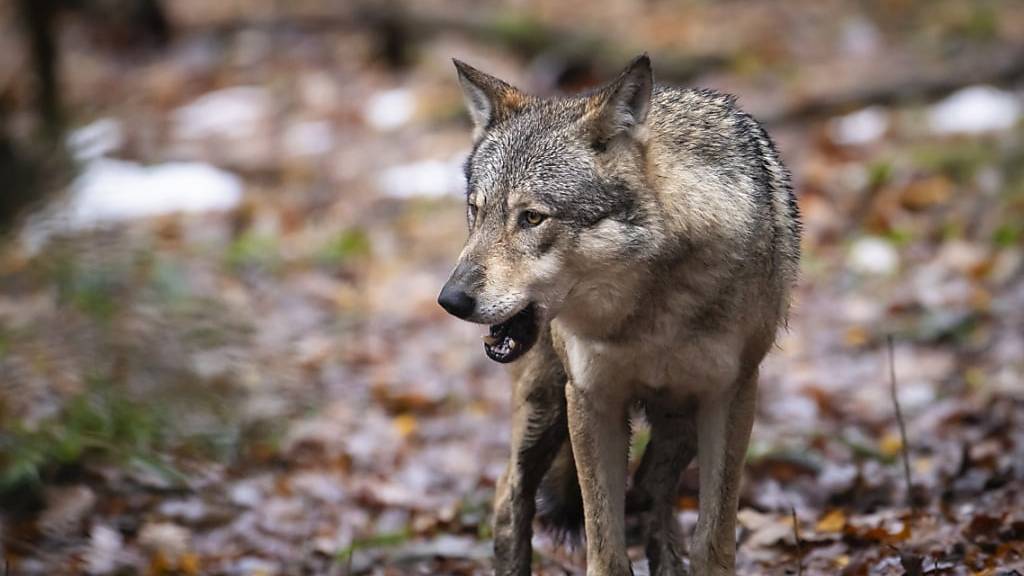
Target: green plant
{"points": [[384, 540], [101, 423]]}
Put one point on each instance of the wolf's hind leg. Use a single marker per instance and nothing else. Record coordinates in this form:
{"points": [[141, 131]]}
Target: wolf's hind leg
{"points": [[539, 430], [672, 446]]}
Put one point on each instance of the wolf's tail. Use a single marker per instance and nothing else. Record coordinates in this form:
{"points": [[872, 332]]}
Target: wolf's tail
{"points": [[560, 502]]}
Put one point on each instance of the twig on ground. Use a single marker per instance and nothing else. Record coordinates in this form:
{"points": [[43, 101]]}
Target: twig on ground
{"points": [[799, 546], [913, 564], [904, 447]]}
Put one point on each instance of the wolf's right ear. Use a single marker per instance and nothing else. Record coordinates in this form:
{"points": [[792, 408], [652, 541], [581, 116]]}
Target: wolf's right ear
{"points": [[488, 99], [622, 106]]}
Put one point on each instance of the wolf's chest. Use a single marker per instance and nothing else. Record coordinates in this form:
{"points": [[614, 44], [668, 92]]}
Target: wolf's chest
{"points": [[674, 363]]}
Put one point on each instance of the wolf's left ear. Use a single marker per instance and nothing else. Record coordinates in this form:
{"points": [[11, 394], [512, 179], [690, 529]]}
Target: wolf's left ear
{"points": [[623, 105], [488, 99]]}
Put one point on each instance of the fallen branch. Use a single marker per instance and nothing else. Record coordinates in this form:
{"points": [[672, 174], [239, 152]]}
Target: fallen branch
{"points": [[999, 67], [397, 29]]}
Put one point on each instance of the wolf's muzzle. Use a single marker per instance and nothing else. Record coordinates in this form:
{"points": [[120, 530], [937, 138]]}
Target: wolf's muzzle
{"points": [[456, 301]]}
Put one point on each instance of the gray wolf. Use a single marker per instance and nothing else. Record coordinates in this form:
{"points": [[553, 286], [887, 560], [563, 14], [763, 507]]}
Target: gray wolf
{"points": [[632, 245]]}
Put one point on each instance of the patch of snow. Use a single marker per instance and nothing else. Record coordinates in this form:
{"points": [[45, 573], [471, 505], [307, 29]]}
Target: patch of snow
{"points": [[873, 256], [246, 494], [96, 140], [797, 411], [231, 112], [975, 110], [253, 565], [115, 190], [916, 395], [837, 477], [308, 138], [390, 109], [427, 178], [189, 510], [104, 555], [941, 292], [448, 546], [860, 127], [233, 126]]}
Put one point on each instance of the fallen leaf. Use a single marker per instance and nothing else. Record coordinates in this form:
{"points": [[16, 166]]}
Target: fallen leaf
{"points": [[832, 522]]}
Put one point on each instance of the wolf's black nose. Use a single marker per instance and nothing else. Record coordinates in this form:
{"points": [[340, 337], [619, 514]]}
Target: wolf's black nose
{"points": [[456, 301]]}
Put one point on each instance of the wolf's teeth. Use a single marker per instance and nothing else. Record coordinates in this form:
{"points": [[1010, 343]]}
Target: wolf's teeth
{"points": [[511, 344], [490, 340]]}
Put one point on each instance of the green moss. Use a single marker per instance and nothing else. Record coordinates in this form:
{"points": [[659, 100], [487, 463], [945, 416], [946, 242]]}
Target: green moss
{"points": [[519, 31], [879, 173], [349, 245], [960, 160], [1007, 235], [253, 250], [899, 236], [980, 24]]}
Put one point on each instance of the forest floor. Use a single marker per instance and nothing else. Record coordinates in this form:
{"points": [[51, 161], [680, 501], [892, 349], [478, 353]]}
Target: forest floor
{"points": [[255, 377]]}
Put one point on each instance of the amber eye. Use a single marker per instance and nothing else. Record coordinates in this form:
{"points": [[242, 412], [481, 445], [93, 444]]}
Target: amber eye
{"points": [[532, 218]]}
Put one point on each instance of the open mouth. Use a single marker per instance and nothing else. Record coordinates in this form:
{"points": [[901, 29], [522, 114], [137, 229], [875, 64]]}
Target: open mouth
{"points": [[513, 337]]}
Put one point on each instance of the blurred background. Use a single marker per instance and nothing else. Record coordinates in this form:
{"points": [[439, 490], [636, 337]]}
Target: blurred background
{"points": [[224, 226]]}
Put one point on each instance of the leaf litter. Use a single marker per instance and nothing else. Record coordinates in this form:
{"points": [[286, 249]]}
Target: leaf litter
{"points": [[271, 388]]}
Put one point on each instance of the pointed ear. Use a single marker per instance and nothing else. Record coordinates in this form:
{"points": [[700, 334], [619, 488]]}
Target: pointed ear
{"points": [[622, 106], [488, 99]]}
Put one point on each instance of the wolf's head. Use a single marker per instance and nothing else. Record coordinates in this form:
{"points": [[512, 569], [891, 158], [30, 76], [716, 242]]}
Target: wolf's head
{"points": [[550, 203]]}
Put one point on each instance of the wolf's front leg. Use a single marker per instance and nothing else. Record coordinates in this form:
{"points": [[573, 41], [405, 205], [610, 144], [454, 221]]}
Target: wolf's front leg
{"points": [[599, 431], [723, 432], [538, 431]]}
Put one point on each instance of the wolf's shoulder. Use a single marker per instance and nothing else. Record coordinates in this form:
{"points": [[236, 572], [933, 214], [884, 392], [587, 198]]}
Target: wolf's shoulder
{"points": [[705, 123], [672, 104]]}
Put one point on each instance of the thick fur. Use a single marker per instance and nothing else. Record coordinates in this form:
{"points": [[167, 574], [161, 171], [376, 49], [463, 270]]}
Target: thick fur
{"points": [[661, 270]]}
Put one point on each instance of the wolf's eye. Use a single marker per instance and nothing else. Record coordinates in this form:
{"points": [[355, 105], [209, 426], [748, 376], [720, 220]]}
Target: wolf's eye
{"points": [[532, 218], [471, 213]]}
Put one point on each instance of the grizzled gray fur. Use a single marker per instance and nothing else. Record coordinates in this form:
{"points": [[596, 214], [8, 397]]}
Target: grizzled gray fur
{"points": [[632, 246]]}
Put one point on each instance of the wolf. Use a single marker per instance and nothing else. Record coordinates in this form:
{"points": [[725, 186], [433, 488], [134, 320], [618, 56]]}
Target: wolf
{"points": [[632, 245]]}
